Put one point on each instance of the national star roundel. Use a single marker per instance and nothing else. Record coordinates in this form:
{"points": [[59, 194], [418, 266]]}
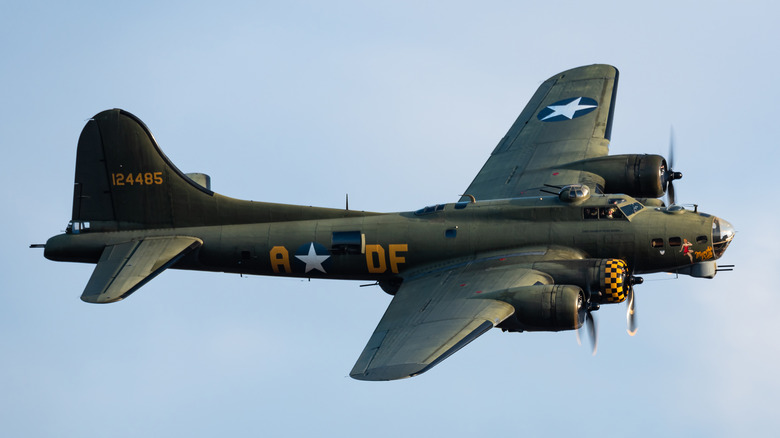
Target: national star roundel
{"points": [[311, 257], [567, 109]]}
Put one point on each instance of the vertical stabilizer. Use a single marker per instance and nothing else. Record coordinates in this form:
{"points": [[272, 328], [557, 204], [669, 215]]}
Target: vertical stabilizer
{"points": [[123, 180]]}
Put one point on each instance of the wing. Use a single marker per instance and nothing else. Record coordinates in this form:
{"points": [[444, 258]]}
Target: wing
{"points": [[568, 119], [125, 267], [437, 312]]}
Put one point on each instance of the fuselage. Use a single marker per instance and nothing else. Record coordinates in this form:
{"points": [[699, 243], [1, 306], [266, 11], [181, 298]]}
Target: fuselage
{"points": [[384, 246]]}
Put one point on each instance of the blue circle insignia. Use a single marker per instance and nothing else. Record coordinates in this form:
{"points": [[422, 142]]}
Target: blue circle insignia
{"points": [[312, 257], [567, 109]]}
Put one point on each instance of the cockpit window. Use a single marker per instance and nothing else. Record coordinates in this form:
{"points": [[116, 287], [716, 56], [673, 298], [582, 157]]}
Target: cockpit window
{"points": [[610, 213], [604, 213], [630, 209]]}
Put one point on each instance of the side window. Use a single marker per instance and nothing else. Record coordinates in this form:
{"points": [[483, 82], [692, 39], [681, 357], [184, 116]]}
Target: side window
{"points": [[610, 213], [675, 241], [77, 227], [701, 239], [657, 243], [348, 242], [605, 213]]}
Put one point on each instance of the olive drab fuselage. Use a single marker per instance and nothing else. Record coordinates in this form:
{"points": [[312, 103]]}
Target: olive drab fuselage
{"points": [[381, 246]]}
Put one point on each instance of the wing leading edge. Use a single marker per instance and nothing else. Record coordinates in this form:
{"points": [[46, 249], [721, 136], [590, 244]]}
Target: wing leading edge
{"points": [[569, 118]]}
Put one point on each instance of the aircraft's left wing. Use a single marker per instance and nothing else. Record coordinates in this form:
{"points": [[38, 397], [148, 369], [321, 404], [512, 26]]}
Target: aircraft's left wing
{"points": [[437, 312]]}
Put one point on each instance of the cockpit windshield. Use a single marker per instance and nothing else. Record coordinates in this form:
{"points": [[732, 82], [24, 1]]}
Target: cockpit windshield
{"points": [[630, 209]]}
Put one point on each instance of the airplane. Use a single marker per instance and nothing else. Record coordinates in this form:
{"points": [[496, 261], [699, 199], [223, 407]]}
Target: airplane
{"points": [[551, 228]]}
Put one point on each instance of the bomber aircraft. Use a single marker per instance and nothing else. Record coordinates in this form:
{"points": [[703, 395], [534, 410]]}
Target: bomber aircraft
{"points": [[550, 229]]}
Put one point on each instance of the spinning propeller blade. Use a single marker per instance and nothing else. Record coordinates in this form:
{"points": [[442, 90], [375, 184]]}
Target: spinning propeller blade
{"points": [[593, 331], [670, 175], [591, 327], [631, 326]]}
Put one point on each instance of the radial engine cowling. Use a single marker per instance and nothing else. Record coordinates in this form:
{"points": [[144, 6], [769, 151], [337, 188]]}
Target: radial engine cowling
{"points": [[640, 176], [604, 280], [614, 279], [550, 307]]}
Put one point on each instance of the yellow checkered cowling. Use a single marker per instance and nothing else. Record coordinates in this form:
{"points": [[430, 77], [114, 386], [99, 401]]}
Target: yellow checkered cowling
{"points": [[614, 280]]}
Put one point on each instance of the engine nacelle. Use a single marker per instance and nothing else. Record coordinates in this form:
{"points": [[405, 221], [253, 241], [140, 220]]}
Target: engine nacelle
{"points": [[604, 281], [549, 307], [639, 176]]}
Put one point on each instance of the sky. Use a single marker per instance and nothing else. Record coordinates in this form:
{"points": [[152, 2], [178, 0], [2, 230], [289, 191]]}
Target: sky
{"points": [[397, 104]]}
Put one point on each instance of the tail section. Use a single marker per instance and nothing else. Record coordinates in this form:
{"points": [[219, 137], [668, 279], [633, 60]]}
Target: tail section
{"points": [[124, 181]]}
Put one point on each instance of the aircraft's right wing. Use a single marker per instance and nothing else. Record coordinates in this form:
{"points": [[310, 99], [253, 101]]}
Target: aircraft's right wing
{"points": [[438, 311], [125, 267], [568, 119]]}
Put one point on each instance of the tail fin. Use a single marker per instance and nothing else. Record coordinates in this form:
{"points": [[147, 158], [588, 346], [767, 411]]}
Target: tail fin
{"points": [[124, 181]]}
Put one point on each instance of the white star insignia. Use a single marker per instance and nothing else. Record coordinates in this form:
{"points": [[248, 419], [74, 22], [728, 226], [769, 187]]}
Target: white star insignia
{"points": [[567, 110], [312, 260]]}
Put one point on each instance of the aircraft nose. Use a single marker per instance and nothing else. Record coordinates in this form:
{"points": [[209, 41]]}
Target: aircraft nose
{"points": [[722, 234]]}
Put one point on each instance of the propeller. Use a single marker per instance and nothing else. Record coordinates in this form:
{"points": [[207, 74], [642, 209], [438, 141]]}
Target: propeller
{"points": [[593, 331], [669, 175], [631, 325], [590, 326], [631, 313]]}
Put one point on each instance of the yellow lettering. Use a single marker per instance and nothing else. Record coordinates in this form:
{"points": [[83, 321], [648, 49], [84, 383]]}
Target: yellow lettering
{"points": [[140, 178], [378, 265], [395, 248], [280, 258]]}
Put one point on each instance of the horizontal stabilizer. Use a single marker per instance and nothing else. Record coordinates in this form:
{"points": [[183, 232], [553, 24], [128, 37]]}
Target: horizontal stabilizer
{"points": [[125, 267]]}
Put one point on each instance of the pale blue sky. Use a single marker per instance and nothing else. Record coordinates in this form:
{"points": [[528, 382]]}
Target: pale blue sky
{"points": [[398, 104]]}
